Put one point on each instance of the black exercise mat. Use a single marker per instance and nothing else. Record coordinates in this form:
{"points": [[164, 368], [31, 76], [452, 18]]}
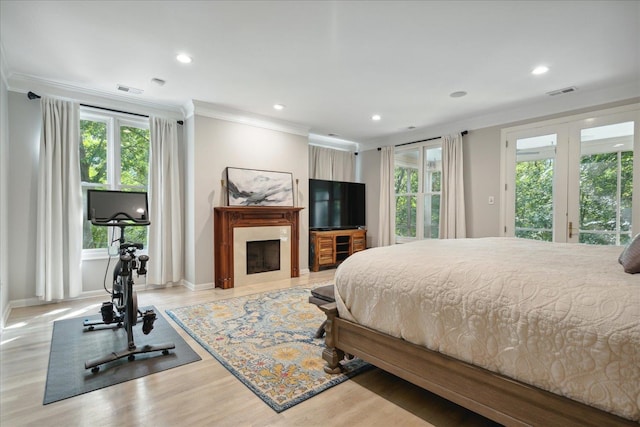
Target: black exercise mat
{"points": [[71, 347]]}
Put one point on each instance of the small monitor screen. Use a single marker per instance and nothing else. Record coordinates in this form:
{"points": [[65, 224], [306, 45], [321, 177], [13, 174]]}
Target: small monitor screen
{"points": [[105, 205]]}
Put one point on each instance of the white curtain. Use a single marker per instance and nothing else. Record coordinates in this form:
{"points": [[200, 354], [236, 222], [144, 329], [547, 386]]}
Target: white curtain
{"points": [[165, 204], [327, 163], [452, 215], [387, 214], [59, 204]]}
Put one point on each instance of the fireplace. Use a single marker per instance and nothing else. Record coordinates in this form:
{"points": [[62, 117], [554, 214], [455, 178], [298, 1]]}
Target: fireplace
{"points": [[263, 256], [235, 227]]}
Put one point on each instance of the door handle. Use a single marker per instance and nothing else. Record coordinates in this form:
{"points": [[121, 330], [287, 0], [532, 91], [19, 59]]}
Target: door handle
{"points": [[570, 229]]}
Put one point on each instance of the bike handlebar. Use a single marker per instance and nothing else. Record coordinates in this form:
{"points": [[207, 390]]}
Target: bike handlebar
{"points": [[120, 219]]}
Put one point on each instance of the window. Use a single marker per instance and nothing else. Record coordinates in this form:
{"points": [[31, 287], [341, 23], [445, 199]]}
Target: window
{"points": [[114, 155], [418, 176]]}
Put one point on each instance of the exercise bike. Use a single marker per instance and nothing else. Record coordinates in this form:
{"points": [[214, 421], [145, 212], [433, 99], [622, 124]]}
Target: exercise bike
{"points": [[122, 209]]}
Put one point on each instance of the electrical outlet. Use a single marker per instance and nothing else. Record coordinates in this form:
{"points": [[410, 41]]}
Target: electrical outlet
{"points": [[492, 200]]}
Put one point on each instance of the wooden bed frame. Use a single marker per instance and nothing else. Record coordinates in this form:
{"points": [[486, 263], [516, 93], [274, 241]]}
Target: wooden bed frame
{"points": [[494, 396]]}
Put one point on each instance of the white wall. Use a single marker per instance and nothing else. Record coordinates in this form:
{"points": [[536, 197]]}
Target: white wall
{"points": [[369, 163], [24, 140], [218, 144]]}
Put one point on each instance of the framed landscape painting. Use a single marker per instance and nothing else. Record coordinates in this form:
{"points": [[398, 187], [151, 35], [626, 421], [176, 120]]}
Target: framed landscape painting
{"points": [[252, 187]]}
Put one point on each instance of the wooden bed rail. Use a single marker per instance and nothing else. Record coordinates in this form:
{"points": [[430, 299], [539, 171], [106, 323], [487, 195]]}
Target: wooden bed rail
{"points": [[496, 397]]}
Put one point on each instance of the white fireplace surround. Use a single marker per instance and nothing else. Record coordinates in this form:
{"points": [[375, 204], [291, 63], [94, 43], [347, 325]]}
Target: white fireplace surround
{"points": [[242, 235]]}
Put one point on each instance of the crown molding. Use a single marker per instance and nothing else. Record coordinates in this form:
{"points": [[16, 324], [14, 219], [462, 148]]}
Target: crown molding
{"points": [[24, 83], [332, 142], [216, 112], [188, 109]]}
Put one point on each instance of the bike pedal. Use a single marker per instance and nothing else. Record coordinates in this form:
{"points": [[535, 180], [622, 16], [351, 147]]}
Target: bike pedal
{"points": [[107, 312], [148, 318]]}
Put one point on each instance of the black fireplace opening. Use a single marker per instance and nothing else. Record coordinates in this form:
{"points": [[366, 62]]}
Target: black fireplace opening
{"points": [[263, 256]]}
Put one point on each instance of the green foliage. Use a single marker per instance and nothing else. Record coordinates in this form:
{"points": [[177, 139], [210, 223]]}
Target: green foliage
{"points": [[600, 196], [406, 187], [534, 199], [93, 152], [134, 156]]}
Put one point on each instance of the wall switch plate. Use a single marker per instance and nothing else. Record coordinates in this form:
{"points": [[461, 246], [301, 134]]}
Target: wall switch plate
{"points": [[492, 200]]}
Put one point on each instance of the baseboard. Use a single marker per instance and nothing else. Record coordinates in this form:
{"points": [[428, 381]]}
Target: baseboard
{"points": [[31, 302], [197, 287], [5, 316]]}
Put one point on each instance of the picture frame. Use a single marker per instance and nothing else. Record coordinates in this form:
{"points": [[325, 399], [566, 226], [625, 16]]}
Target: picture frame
{"points": [[255, 187]]}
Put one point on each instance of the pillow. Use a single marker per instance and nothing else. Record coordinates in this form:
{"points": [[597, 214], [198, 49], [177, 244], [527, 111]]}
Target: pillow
{"points": [[630, 257]]}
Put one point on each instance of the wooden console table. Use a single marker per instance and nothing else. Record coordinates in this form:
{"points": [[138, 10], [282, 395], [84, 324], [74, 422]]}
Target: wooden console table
{"points": [[226, 218], [330, 248]]}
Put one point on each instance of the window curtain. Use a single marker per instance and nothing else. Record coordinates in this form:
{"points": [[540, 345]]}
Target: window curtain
{"points": [[165, 204], [452, 215], [387, 213], [336, 165], [59, 204]]}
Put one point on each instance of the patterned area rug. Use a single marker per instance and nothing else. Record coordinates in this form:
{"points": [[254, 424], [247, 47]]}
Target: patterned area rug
{"points": [[267, 341]]}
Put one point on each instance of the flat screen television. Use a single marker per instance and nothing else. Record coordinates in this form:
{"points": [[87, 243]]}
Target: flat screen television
{"points": [[336, 205]]}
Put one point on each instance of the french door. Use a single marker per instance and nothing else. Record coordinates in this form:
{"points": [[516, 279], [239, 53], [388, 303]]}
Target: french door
{"points": [[572, 180]]}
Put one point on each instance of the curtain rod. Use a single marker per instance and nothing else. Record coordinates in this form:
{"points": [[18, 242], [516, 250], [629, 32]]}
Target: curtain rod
{"points": [[463, 133], [32, 95]]}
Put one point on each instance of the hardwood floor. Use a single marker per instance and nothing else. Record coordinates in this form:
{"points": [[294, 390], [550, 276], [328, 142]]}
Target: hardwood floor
{"points": [[203, 393]]}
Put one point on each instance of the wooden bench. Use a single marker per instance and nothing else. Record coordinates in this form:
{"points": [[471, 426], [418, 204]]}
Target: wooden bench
{"points": [[320, 296]]}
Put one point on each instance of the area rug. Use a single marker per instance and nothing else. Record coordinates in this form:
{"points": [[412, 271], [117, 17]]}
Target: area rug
{"points": [[71, 347], [267, 341]]}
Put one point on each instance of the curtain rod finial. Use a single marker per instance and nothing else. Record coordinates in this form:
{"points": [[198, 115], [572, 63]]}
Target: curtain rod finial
{"points": [[32, 95]]}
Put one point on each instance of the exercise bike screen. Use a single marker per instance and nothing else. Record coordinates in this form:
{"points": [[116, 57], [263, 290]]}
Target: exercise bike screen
{"points": [[104, 205]]}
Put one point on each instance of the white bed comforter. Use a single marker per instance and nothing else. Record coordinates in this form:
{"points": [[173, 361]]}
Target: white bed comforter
{"points": [[562, 317]]}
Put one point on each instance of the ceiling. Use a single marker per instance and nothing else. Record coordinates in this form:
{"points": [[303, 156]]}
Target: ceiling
{"points": [[334, 64]]}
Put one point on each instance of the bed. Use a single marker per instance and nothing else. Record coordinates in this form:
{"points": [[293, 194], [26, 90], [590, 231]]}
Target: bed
{"points": [[520, 331]]}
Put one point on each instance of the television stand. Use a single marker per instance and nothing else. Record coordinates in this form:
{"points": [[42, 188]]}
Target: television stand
{"points": [[330, 248]]}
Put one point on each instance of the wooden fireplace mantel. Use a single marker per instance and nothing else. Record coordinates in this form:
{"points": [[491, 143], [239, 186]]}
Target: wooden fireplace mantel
{"points": [[226, 218]]}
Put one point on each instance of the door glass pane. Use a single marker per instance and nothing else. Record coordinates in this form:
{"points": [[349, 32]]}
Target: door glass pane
{"points": [[535, 159], [606, 175]]}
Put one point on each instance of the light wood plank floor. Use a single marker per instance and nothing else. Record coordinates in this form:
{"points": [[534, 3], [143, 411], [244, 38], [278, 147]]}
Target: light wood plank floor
{"points": [[198, 394]]}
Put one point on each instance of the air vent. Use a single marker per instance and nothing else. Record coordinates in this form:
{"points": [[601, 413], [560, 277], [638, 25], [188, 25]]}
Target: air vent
{"points": [[130, 89], [562, 91]]}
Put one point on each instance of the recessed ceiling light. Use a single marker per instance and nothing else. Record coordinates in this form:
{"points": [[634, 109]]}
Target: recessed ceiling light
{"points": [[540, 70], [458, 94], [184, 58], [278, 106], [376, 117]]}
